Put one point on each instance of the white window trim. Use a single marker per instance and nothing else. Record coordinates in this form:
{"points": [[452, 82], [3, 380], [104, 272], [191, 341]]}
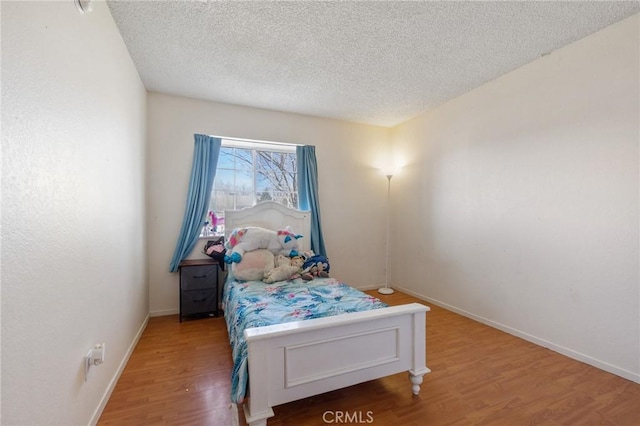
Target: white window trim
{"points": [[257, 144], [254, 144]]}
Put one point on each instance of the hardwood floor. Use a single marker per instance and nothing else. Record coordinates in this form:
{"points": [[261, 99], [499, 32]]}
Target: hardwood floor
{"points": [[179, 375]]}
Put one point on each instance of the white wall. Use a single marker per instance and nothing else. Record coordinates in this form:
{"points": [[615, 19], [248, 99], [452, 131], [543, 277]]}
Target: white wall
{"points": [[73, 209], [525, 195], [352, 191]]}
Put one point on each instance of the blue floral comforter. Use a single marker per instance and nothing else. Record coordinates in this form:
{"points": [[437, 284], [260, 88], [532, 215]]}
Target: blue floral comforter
{"points": [[250, 304]]}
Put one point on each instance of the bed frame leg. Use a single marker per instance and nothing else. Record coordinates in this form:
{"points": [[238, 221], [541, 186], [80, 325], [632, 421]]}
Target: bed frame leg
{"points": [[416, 379], [258, 409], [257, 420]]}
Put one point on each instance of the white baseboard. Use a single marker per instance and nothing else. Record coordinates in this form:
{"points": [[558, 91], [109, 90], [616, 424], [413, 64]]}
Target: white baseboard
{"points": [[164, 312], [370, 287], [629, 375], [112, 384]]}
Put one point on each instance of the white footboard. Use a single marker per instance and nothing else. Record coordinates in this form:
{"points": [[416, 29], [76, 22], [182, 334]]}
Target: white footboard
{"points": [[292, 361]]}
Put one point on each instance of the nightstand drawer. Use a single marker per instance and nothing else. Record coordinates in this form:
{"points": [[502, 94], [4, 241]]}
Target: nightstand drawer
{"points": [[198, 277], [199, 301]]}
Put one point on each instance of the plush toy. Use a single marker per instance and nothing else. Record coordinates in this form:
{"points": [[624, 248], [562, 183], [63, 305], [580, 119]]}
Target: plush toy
{"points": [[298, 261], [255, 264], [286, 269], [281, 273], [307, 254], [243, 240], [315, 266]]}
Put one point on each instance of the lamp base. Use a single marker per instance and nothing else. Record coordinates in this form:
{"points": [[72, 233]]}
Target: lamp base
{"points": [[385, 290]]}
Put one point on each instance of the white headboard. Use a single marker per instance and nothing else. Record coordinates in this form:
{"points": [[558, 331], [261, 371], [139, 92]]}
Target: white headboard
{"points": [[271, 215]]}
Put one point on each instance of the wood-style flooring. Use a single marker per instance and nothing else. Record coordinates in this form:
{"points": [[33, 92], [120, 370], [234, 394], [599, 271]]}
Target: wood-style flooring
{"points": [[179, 375]]}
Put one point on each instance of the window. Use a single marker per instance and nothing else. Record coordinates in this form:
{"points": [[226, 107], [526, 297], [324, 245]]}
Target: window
{"points": [[248, 173]]}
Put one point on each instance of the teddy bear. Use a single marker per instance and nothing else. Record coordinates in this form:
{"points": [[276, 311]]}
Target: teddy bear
{"points": [[242, 240], [286, 269], [298, 261]]}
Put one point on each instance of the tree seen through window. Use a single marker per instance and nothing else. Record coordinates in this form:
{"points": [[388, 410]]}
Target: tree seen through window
{"points": [[249, 173]]}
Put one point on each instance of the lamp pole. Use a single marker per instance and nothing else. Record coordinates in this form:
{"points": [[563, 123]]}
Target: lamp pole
{"points": [[386, 289]]}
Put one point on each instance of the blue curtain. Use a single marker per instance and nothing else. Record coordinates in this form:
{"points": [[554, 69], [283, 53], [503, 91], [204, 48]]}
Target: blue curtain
{"points": [[203, 171], [308, 193]]}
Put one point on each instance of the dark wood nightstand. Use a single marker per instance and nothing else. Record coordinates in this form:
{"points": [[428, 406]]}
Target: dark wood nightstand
{"points": [[199, 285]]}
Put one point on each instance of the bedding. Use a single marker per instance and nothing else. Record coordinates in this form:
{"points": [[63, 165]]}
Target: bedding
{"points": [[248, 304]]}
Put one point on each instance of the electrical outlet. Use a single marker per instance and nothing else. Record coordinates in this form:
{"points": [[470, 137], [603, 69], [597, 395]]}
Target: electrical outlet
{"points": [[94, 357], [97, 353]]}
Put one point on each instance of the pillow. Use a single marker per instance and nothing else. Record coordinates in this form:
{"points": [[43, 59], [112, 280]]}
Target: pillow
{"points": [[254, 265]]}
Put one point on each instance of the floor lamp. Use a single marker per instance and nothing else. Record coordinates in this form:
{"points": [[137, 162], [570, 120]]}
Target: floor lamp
{"points": [[386, 289]]}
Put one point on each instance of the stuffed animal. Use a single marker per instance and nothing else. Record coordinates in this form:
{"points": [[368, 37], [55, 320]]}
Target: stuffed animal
{"points": [[315, 266], [281, 273], [281, 260], [307, 254], [298, 261], [255, 264], [285, 269], [242, 240]]}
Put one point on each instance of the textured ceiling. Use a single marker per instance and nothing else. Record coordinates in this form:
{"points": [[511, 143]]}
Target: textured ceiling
{"points": [[374, 62]]}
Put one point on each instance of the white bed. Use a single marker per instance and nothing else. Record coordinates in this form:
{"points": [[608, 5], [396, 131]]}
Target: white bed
{"points": [[296, 360]]}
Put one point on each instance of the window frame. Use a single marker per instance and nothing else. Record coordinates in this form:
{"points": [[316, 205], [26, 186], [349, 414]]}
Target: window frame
{"points": [[254, 146]]}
